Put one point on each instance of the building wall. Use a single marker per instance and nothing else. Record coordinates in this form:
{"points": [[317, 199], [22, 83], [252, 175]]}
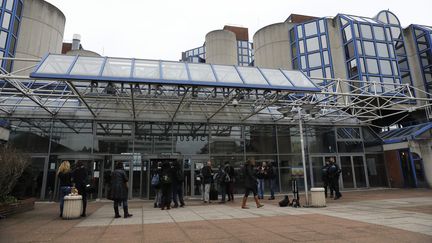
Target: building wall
{"points": [[424, 149], [394, 172], [41, 32], [272, 46], [416, 71], [221, 47]]}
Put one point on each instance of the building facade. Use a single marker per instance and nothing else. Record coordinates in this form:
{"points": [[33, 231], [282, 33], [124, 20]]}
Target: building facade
{"points": [[10, 19]]}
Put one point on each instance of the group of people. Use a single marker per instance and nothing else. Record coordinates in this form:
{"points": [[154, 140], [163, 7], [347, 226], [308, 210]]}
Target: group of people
{"points": [[69, 178], [224, 178], [330, 176], [167, 182], [266, 172]]}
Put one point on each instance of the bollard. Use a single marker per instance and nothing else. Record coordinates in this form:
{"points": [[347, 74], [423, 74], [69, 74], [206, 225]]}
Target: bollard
{"points": [[72, 206], [317, 197]]}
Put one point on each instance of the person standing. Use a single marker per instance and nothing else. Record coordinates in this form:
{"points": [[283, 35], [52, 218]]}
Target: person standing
{"points": [[207, 174], [119, 190], [325, 178], [334, 173], [166, 185], [222, 180], [155, 182], [178, 178], [229, 170], [65, 177], [79, 176], [261, 175], [250, 183], [271, 177]]}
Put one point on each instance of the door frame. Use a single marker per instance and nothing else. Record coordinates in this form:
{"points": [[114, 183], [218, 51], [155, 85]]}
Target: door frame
{"points": [[351, 155]]}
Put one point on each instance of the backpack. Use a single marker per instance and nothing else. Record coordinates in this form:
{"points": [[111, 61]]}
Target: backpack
{"points": [[284, 202], [165, 179], [155, 180]]}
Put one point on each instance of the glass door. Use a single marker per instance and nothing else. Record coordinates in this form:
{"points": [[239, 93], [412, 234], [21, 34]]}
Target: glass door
{"points": [[317, 163], [359, 171], [347, 172]]}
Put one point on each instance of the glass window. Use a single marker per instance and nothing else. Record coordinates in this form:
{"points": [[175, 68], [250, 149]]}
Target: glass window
{"points": [[314, 60], [174, 71], [351, 133], [362, 65], [252, 75], [316, 73], [56, 64], [356, 30], [201, 72], [294, 49], [321, 139], [323, 41], [372, 65], [326, 58], [312, 44], [275, 77], [87, 66], [382, 50], [385, 67], [146, 69], [116, 67], [366, 31], [19, 9], [393, 19], [301, 47], [3, 38], [299, 31], [227, 74], [6, 20], [15, 28], [328, 72], [352, 68], [379, 33], [311, 29], [395, 68], [391, 49], [292, 38], [388, 84], [343, 21], [9, 4], [395, 32], [298, 79], [321, 25], [347, 34], [12, 45], [369, 48], [303, 62], [349, 50]]}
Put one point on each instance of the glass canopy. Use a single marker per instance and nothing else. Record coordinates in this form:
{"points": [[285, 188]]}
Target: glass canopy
{"points": [[167, 72], [405, 133]]}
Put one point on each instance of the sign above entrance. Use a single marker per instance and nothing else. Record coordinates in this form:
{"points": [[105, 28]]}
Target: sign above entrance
{"points": [[109, 69]]}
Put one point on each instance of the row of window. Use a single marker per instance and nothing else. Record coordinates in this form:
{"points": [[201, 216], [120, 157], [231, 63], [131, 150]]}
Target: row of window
{"points": [[423, 40], [10, 16], [244, 53]]}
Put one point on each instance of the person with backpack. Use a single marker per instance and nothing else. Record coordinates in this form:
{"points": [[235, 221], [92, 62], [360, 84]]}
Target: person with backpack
{"points": [[271, 177], [207, 174], [229, 170], [325, 178], [155, 183], [166, 185], [250, 183], [177, 185], [333, 173]]}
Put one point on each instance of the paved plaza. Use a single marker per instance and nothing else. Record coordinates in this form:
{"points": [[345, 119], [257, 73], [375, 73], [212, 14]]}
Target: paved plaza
{"points": [[389, 215]]}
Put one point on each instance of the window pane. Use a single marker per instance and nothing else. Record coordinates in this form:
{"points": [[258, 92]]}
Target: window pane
{"points": [[312, 44], [349, 50], [382, 50], [15, 28], [323, 41], [321, 25], [201, 72], [385, 67], [311, 29], [56, 64], [303, 62], [347, 34], [87, 66], [298, 78], [326, 58], [275, 77], [366, 31], [146, 69], [12, 45], [359, 48], [393, 19], [379, 33], [395, 32], [316, 73], [9, 5], [388, 84], [252, 75], [299, 32], [301, 46], [6, 20], [3, 37], [116, 67], [174, 71], [227, 74], [369, 48], [372, 65], [314, 60]]}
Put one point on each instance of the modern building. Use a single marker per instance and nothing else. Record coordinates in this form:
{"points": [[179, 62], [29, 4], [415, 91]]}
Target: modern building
{"points": [[310, 91]]}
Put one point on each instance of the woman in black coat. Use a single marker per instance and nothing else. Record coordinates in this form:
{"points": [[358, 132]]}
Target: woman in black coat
{"points": [[250, 185], [166, 180], [119, 190], [79, 176]]}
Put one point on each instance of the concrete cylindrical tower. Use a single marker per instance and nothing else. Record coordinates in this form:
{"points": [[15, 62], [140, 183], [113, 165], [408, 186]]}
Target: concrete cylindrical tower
{"points": [[41, 32], [221, 47], [272, 46]]}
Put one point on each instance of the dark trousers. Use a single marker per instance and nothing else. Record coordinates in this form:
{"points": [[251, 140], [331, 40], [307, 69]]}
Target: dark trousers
{"points": [[230, 191], [223, 190], [327, 186], [124, 202], [166, 195], [178, 194], [83, 193], [334, 186], [272, 187]]}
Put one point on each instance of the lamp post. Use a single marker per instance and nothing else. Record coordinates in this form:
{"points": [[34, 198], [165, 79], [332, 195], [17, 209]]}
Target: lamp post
{"points": [[298, 109]]}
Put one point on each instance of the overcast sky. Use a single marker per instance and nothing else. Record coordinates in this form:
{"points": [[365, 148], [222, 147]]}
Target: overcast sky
{"points": [[161, 29]]}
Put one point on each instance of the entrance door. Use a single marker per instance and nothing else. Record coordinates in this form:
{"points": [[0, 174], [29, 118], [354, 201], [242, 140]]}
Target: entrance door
{"points": [[43, 180], [317, 163], [407, 170], [353, 171], [347, 172]]}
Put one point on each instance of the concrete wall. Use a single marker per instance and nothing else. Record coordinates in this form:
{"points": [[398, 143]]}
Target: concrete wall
{"points": [[41, 32], [272, 46], [221, 47]]}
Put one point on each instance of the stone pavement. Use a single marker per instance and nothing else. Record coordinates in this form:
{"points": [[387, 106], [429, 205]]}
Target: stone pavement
{"points": [[392, 215]]}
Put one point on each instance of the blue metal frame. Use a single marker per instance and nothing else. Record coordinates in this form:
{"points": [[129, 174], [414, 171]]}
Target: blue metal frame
{"points": [[425, 32], [357, 36], [240, 55], [296, 57], [14, 20], [131, 79]]}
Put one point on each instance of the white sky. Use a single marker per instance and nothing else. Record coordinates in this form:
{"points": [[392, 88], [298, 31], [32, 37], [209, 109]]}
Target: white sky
{"points": [[162, 29]]}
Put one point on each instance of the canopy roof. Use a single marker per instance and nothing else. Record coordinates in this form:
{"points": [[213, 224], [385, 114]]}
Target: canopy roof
{"points": [[406, 133], [168, 72]]}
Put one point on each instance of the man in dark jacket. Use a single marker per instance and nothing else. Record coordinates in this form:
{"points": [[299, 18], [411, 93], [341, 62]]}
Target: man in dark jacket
{"points": [[229, 170], [119, 190], [250, 183], [334, 173], [79, 177], [166, 185], [177, 186], [271, 176], [325, 178], [207, 174]]}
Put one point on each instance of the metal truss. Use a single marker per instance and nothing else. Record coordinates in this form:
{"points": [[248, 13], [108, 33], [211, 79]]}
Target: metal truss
{"points": [[340, 101]]}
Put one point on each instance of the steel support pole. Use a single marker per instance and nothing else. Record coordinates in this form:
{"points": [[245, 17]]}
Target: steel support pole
{"points": [[303, 156]]}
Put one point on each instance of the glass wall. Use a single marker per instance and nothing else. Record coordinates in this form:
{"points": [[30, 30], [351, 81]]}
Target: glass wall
{"points": [[369, 52], [10, 18], [311, 50]]}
